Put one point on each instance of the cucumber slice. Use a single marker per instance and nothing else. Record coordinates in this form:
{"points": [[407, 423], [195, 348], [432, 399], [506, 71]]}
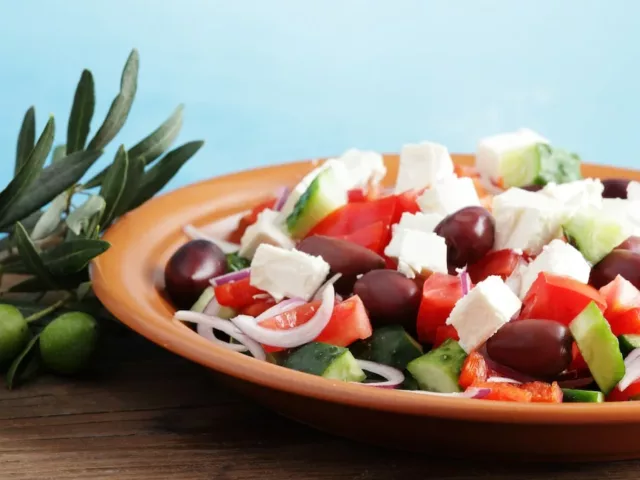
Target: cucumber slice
{"points": [[409, 383], [628, 343], [390, 345], [595, 233], [539, 164], [581, 396], [325, 194], [327, 361], [203, 300], [599, 347], [439, 370]]}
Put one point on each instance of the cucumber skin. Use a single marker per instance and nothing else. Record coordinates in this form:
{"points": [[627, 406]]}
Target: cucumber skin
{"points": [[203, 300], [590, 327], [628, 343], [446, 361], [390, 345], [319, 359], [581, 396]]}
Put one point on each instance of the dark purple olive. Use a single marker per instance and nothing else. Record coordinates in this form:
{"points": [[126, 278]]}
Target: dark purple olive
{"points": [[615, 187], [619, 262], [389, 297], [346, 258], [469, 234], [631, 244], [189, 270], [540, 348], [532, 188]]}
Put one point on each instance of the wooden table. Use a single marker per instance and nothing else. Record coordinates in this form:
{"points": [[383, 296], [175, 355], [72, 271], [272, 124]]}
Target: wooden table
{"points": [[147, 414]]}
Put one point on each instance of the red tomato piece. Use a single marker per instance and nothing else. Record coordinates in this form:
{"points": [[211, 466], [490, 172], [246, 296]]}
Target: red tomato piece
{"points": [[258, 308], [552, 297], [250, 218], [542, 392], [440, 293], [627, 322], [444, 333], [632, 392], [349, 322], [578, 362], [621, 295], [374, 237], [499, 262], [474, 370], [506, 392], [355, 195], [407, 201], [237, 295]]}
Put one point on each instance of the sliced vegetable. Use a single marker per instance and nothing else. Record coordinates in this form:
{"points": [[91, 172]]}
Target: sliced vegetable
{"points": [[500, 262], [581, 396], [542, 392], [444, 333], [203, 301], [631, 393], [506, 392], [539, 164], [625, 323], [440, 293], [250, 218], [392, 376], [474, 370], [237, 295], [328, 361], [628, 343], [439, 369], [390, 345], [620, 295]]}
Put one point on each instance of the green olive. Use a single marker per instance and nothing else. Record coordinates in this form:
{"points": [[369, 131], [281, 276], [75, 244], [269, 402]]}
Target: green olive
{"points": [[68, 342], [14, 333]]}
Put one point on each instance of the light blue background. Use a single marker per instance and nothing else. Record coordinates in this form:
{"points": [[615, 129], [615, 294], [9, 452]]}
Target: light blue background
{"points": [[267, 81]]}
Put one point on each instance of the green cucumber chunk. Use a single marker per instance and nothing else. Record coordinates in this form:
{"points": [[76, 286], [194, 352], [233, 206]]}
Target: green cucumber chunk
{"points": [[203, 301], [327, 361], [628, 342], [570, 395], [439, 370], [390, 345], [325, 194], [599, 347], [539, 164], [595, 233]]}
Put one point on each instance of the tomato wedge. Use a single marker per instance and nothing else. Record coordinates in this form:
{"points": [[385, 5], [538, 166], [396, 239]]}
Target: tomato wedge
{"points": [[632, 392], [374, 237], [499, 262], [621, 295], [258, 307], [627, 322], [440, 293], [474, 370], [250, 218], [349, 322], [237, 295], [553, 297], [577, 360], [444, 333]]}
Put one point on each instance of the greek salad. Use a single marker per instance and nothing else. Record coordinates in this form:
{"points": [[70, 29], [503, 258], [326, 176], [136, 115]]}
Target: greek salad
{"points": [[515, 279]]}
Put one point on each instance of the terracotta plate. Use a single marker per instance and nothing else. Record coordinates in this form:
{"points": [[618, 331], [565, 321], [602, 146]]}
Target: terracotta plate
{"points": [[128, 280]]}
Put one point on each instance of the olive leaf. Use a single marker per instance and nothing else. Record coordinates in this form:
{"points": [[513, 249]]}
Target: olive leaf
{"points": [[134, 177], [81, 113], [121, 105], [72, 256], [59, 152], [30, 169], [114, 185], [150, 147], [159, 175], [28, 222], [26, 365], [49, 221], [26, 138], [79, 219], [30, 256], [53, 180]]}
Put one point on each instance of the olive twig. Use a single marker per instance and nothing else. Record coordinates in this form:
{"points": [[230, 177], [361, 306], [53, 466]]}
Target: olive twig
{"points": [[50, 309]]}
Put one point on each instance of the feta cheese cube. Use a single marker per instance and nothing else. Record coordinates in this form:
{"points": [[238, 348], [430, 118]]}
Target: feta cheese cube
{"points": [[483, 311], [576, 195], [417, 252], [449, 196], [633, 190], [266, 230], [526, 220], [364, 168], [423, 222], [491, 150], [287, 273], [626, 212], [558, 258], [422, 165]]}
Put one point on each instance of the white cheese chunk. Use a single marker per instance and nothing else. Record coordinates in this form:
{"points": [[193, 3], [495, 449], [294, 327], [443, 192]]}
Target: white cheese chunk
{"points": [[490, 150], [266, 230], [557, 258], [576, 195], [449, 196], [287, 273], [526, 220], [423, 222], [417, 252], [422, 165], [482, 312], [626, 212], [633, 190], [364, 168]]}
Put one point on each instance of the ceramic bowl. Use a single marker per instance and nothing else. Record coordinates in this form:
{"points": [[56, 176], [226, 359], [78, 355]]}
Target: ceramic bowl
{"points": [[128, 279]]}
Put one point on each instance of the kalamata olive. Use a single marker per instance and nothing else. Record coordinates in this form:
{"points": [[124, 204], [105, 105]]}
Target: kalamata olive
{"points": [[67, 343], [618, 262], [469, 234], [14, 333], [615, 187], [389, 297], [346, 258], [189, 270], [631, 244], [532, 188], [540, 348]]}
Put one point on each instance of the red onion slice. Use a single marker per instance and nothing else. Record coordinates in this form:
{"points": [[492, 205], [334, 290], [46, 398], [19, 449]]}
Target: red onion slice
{"points": [[321, 288], [278, 308], [213, 308], [471, 392], [632, 365], [230, 277], [502, 380], [293, 337], [393, 376], [281, 198], [224, 326], [465, 280], [196, 234], [208, 333]]}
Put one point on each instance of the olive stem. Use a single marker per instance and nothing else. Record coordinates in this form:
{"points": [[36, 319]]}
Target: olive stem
{"points": [[50, 309]]}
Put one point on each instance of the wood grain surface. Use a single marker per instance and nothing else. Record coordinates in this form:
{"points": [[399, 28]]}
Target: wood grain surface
{"points": [[147, 414]]}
